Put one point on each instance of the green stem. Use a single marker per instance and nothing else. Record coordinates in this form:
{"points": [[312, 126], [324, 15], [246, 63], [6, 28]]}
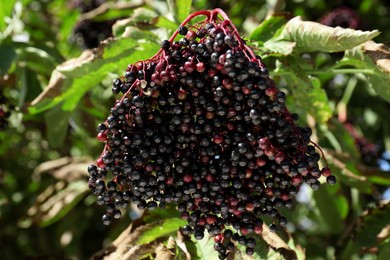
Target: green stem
{"points": [[342, 105], [349, 90]]}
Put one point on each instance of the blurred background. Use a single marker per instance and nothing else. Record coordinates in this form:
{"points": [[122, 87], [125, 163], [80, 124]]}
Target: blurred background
{"points": [[46, 209]]}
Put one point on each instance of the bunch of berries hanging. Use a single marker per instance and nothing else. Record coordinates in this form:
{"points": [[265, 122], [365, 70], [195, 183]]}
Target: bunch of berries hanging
{"points": [[202, 125]]}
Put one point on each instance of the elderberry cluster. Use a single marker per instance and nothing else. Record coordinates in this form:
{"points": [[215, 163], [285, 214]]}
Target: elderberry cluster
{"points": [[343, 16], [5, 111], [203, 126], [370, 153]]}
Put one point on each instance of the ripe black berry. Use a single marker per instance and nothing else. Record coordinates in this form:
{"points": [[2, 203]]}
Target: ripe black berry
{"points": [[331, 179], [182, 30], [106, 219]]}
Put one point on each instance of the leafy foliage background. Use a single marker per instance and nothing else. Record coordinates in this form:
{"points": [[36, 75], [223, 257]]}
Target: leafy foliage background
{"points": [[62, 92]]}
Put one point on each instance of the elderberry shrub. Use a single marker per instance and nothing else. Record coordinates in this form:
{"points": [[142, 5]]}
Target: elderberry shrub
{"points": [[203, 126]]}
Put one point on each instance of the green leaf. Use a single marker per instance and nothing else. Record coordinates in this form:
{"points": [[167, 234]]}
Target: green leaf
{"points": [[57, 122], [279, 48], [135, 33], [328, 212], [262, 251], [68, 20], [161, 229], [205, 248], [308, 93], [166, 23], [371, 223], [312, 36], [57, 200], [277, 247], [376, 59], [8, 55], [143, 18], [181, 9], [267, 29], [384, 251], [192, 249], [44, 105], [115, 64], [349, 250], [379, 177], [169, 212], [5, 11], [111, 57], [297, 248], [266, 38], [30, 86], [37, 60], [273, 48]]}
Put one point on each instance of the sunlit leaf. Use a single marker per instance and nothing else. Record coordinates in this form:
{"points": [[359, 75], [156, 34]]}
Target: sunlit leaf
{"points": [[312, 36], [297, 248], [181, 9], [143, 18], [277, 247], [5, 11], [99, 70], [166, 23], [85, 73], [132, 32], [267, 29], [160, 229], [168, 212], [185, 246], [272, 48], [162, 252], [205, 248], [279, 48]]}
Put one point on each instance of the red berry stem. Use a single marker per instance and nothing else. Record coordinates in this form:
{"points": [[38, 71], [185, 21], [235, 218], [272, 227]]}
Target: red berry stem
{"points": [[322, 153], [236, 34]]}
